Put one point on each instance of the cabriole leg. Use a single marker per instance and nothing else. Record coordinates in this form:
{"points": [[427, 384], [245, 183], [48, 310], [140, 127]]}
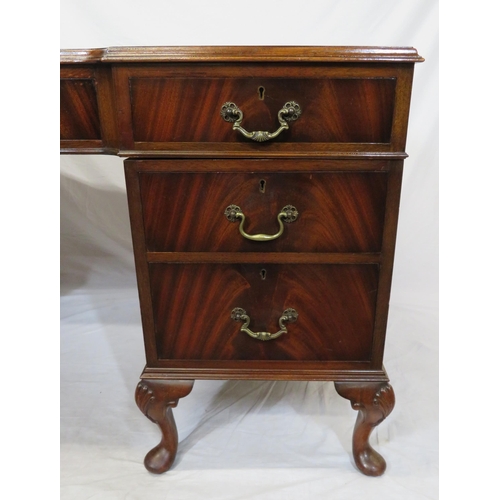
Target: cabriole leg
{"points": [[374, 401], [156, 398]]}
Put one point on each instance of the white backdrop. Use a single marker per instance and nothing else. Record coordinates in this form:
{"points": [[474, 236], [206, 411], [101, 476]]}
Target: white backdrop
{"points": [[243, 440]]}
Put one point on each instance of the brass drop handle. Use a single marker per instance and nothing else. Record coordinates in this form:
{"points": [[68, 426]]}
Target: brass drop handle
{"points": [[288, 113], [288, 214], [239, 314]]}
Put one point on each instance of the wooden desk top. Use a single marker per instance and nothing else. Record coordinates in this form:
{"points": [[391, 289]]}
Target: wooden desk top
{"points": [[240, 54], [120, 100]]}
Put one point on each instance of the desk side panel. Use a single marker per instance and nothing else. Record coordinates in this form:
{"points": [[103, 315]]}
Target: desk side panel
{"points": [[87, 116]]}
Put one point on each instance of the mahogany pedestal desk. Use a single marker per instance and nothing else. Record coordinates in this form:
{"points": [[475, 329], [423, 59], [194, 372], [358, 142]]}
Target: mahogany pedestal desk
{"points": [[263, 187]]}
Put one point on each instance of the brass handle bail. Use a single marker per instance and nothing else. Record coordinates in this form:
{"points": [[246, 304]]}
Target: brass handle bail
{"points": [[288, 113], [289, 315], [287, 214]]}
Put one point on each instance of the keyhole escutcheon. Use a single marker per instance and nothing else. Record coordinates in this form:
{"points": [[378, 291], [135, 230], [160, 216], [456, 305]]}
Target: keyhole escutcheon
{"points": [[261, 91]]}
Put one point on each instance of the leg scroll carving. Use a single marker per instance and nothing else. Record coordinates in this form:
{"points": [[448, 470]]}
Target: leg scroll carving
{"points": [[375, 401], [156, 398]]}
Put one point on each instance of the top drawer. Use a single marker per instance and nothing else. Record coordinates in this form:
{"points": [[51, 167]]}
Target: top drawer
{"points": [[166, 101], [187, 109], [349, 108]]}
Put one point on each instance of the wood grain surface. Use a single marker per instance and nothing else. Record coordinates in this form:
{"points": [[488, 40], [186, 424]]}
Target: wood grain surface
{"points": [[340, 165], [338, 212], [333, 110], [192, 306], [344, 54], [79, 110]]}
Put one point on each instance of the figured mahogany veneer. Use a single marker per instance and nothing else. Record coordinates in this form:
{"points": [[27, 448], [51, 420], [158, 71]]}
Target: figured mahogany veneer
{"points": [[192, 306], [338, 212], [355, 101], [333, 110], [79, 110], [339, 164]]}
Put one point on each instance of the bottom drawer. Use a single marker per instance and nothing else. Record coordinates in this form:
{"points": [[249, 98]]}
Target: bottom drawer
{"points": [[193, 304]]}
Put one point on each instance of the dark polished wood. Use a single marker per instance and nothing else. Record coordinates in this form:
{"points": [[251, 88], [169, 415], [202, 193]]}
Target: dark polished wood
{"points": [[346, 107], [192, 306], [79, 111], [263, 258], [241, 54], [340, 164], [338, 212], [156, 398], [333, 110], [355, 100], [350, 371], [87, 108], [264, 164], [374, 402]]}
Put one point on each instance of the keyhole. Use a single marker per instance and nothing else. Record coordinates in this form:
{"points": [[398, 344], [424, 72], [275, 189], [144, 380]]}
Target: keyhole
{"points": [[263, 273], [262, 186], [261, 93]]}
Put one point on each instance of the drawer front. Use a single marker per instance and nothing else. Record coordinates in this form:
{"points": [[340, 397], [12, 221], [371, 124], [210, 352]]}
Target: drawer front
{"points": [[337, 212], [333, 110], [79, 110], [192, 306]]}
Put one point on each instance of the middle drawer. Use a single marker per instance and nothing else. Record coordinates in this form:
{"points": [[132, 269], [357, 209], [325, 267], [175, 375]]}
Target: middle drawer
{"points": [[192, 212]]}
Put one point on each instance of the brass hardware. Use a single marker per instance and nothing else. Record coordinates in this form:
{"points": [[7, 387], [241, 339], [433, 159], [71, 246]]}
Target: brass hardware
{"points": [[288, 113], [288, 214], [239, 314]]}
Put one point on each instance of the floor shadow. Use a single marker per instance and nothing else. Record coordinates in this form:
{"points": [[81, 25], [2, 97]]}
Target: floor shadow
{"points": [[281, 400]]}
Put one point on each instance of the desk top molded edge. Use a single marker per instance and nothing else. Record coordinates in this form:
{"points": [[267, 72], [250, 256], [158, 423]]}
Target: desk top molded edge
{"points": [[240, 54]]}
